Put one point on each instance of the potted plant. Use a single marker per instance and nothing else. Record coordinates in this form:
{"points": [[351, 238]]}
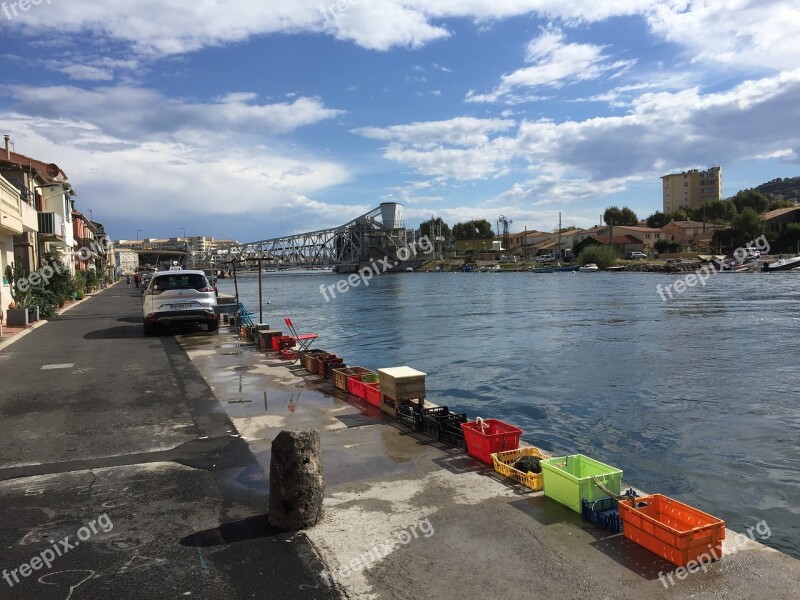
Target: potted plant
{"points": [[17, 315]]}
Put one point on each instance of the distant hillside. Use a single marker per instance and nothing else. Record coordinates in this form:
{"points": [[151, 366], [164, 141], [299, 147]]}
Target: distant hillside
{"points": [[788, 187]]}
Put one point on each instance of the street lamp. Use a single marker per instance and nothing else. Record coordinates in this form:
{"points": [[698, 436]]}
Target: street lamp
{"points": [[183, 229], [138, 231]]}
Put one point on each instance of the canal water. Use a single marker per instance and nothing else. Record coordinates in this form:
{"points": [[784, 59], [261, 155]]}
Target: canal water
{"points": [[697, 397]]}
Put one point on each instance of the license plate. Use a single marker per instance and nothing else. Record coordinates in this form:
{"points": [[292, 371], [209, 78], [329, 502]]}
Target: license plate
{"points": [[180, 306]]}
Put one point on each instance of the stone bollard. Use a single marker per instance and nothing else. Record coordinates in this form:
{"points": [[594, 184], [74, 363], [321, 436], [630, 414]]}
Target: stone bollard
{"points": [[296, 482]]}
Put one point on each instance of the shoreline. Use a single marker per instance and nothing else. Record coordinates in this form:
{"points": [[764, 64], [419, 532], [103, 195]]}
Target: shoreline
{"points": [[382, 479]]}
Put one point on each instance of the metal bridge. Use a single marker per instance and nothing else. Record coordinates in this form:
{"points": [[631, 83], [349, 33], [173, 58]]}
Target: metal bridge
{"points": [[379, 233]]}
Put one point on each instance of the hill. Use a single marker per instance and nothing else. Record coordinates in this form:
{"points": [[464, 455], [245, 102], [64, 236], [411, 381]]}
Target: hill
{"points": [[788, 187]]}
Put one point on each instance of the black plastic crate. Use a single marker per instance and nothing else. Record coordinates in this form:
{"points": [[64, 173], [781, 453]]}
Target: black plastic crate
{"points": [[432, 418], [408, 414], [450, 433]]}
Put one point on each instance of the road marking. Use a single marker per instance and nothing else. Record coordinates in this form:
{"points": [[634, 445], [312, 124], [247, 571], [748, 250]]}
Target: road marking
{"points": [[58, 366]]}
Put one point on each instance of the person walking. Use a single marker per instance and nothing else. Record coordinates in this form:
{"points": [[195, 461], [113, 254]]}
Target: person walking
{"points": [[129, 281]]}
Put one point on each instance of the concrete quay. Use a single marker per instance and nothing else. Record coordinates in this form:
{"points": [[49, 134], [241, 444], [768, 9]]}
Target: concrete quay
{"points": [[168, 439]]}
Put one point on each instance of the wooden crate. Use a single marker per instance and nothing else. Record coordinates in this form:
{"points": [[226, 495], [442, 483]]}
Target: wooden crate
{"points": [[402, 383], [265, 338], [340, 376]]}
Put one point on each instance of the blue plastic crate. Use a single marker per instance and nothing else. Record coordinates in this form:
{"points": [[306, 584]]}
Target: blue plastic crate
{"points": [[604, 512]]}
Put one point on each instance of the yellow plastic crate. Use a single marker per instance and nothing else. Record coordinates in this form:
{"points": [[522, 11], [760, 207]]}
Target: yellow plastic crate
{"points": [[504, 464]]}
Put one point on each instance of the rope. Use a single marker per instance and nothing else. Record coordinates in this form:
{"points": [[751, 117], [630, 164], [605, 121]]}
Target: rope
{"points": [[611, 494]]}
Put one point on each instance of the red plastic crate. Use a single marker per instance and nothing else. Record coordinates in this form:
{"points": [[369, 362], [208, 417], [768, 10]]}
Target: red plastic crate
{"points": [[494, 436], [282, 342], [672, 530], [289, 354], [359, 388], [373, 393]]}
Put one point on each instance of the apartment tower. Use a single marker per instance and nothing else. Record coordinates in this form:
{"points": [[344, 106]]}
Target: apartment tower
{"points": [[691, 189]]}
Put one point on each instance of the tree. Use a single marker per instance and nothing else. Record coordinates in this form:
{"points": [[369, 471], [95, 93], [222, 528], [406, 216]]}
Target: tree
{"points": [[667, 245], [776, 204], [657, 220], [623, 216], [434, 227], [751, 199], [715, 211], [467, 231], [747, 226]]}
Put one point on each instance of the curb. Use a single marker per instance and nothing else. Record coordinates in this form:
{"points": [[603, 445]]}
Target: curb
{"points": [[41, 322], [22, 334]]}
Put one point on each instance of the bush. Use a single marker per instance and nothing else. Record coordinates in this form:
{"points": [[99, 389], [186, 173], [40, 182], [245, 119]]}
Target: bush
{"points": [[602, 256], [45, 300], [80, 284]]}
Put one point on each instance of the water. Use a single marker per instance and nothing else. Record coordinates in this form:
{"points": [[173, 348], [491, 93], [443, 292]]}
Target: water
{"points": [[696, 397]]}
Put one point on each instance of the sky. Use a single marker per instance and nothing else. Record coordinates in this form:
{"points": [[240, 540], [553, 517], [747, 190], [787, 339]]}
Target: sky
{"points": [[252, 120]]}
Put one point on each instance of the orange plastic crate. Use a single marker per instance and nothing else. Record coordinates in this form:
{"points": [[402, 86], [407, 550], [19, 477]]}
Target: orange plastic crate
{"points": [[289, 354], [675, 531], [495, 436]]}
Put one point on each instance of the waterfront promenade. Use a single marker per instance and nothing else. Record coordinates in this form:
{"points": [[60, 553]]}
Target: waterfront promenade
{"points": [[99, 420], [169, 438]]}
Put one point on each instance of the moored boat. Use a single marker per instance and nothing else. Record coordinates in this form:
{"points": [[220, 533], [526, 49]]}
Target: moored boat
{"points": [[589, 268], [784, 264]]}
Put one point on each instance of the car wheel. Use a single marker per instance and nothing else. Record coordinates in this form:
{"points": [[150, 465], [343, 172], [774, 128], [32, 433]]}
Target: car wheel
{"points": [[213, 325], [149, 328]]}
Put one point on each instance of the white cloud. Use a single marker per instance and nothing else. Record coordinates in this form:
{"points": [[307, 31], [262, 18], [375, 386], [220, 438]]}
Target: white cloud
{"points": [[735, 33], [136, 113], [88, 73], [555, 63], [576, 160], [460, 131]]}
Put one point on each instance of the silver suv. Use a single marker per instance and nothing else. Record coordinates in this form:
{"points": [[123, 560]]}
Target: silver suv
{"points": [[179, 296]]}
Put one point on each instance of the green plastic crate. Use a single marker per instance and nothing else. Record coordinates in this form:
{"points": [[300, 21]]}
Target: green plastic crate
{"points": [[568, 479]]}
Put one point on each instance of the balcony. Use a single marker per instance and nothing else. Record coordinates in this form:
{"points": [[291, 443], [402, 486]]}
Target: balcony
{"points": [[10, 209], [51, 225]]}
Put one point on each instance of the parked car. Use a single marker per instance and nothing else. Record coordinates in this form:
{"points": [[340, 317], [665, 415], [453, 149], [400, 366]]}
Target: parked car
{"points": [[546, 258], [637, 255], [179, 297]]}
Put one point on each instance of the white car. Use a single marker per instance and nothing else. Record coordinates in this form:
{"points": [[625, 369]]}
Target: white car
{"points": [[179, 296], [637, 255], [546, 258]]}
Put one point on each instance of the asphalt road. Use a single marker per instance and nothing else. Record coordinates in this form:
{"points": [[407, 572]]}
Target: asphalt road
{"points": [[122, 477]]}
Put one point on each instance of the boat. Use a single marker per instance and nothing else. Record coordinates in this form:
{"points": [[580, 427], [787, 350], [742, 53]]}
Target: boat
{"points": [[589, 268], [566, 269], [615, 269], [542, 270], [784, 264]]}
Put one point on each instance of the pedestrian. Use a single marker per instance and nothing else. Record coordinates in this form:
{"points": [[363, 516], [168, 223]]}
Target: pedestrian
{"points": [[136, 279], [129, 281]]}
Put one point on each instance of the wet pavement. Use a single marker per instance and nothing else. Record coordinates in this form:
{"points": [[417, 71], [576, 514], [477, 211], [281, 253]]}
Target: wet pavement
{"points": [[406, 517]]}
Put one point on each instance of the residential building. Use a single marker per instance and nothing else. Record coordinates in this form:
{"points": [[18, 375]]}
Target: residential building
{"points": [[126, 261], [691, 189], [623, 243], [648, 236], [46, 187], [694, 235], [775, 221], [16, 218]]}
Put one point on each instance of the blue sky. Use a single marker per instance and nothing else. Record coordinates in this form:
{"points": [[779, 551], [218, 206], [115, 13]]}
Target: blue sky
{"points": [[250, 122]]}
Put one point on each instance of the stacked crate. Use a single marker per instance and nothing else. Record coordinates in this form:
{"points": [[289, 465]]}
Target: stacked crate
{"points": [[400, 385]]}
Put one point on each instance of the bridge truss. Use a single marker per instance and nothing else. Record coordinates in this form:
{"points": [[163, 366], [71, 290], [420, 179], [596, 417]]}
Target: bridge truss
{"points": [[346, 246]]}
